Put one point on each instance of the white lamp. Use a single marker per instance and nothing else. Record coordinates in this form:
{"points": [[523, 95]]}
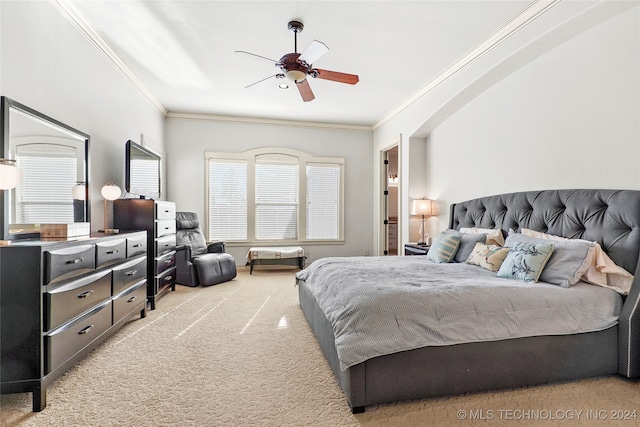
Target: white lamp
{"points": [[79, 191], [109, 191], [10, 175], [421, 207]]}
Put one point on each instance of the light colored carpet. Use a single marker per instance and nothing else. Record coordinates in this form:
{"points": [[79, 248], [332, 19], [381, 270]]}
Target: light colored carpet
{"points": [[241, 354]]}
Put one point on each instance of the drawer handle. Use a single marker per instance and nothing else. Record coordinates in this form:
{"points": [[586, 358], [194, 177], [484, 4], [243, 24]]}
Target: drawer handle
{"points": [[75, 261], [131, 273], [86, 330], [168, 278], [137, 245], [85, 294], [115, 251], [132, 298], [168, 261]]}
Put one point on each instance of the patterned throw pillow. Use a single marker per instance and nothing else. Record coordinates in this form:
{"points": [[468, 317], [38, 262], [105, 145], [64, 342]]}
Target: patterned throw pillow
{"points": [[488, 256], [445, 246], [525, 261]]}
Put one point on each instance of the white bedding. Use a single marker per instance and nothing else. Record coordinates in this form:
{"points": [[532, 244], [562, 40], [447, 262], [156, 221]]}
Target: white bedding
{"points": [[383, 305]]}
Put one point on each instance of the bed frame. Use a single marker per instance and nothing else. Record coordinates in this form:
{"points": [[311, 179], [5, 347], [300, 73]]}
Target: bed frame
{"points": [[611, 217]]}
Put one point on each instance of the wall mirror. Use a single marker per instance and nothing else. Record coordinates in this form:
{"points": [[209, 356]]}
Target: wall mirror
{"points": [[53, 160]]}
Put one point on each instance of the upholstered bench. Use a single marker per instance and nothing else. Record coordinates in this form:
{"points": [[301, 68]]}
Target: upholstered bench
{"points": [[284, 255]]}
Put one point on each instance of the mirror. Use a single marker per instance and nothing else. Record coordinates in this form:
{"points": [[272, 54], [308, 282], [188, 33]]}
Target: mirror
{"points": [[53, 160]]}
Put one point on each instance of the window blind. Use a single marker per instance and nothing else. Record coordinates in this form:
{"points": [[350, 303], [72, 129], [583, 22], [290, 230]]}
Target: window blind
{"points": [[276, 201], [145, 176], [227, 200], [44, 195], [323, 192]]}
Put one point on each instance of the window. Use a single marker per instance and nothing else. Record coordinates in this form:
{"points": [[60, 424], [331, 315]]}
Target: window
{"points": [[49, 174], [227, 200], [274, 194], [323, 195]]}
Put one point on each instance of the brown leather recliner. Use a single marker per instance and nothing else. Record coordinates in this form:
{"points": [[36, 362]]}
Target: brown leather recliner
{"points": [[199, 262]]}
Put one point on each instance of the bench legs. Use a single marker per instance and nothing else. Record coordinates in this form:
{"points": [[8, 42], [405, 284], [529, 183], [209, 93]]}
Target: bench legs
{"points": [[298, 261]]}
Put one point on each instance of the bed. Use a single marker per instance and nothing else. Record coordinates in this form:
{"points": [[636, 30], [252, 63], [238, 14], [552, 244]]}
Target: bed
{"points": [[609, 346]]}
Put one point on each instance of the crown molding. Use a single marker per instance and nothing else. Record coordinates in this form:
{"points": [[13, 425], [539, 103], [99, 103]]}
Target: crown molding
{"points": [[263, 121], [527, 15], [69, 10]]}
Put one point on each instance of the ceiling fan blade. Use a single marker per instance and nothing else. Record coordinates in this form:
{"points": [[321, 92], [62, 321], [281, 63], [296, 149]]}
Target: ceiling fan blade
{"points": [[313, 52], [305, 91], [278, 75], [259, 56], [337, 77]]}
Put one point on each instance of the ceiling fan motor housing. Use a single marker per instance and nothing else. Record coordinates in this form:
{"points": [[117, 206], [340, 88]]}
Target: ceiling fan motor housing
{"points": [[292, 68]]}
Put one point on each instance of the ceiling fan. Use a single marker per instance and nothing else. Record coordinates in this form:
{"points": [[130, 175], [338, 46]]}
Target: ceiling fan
{"points": [[298, 66]]}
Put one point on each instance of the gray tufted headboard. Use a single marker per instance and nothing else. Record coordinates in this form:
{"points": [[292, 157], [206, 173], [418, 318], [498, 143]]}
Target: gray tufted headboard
{"points": [[610, 217]]}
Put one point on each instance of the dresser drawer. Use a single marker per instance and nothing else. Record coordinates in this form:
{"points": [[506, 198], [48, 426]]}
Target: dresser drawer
{"points": [[165, 262], [65, 341], [66, 300], [128, 273], [165, 210], [165, 244], [168, 278], [136, 245], [68, 262], [129, 300], [165, 227], [110, 251]]}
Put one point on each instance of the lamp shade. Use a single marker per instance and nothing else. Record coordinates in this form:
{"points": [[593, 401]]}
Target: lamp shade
{"points": [[110, 191], [10, 175], [79, 191], [421, 207]]}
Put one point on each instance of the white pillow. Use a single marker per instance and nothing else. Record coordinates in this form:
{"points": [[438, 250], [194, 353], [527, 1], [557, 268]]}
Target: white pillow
{"points": [[602, 272], [494, 237]]}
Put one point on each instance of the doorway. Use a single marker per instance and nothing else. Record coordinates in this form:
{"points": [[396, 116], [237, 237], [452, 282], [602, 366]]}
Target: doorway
{"points": [[390, 200]]}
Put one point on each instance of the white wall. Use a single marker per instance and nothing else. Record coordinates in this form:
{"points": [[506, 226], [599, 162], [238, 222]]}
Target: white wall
{"points": [[188, 139], [557, 107], [569, 119], [48, 65]]}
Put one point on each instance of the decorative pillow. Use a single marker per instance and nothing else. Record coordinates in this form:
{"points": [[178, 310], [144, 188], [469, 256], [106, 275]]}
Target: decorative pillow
{"points": [[602, 271], [525, 261], [569, 261], [488, 256], [494, 237], [467, 243], [444, 246]]}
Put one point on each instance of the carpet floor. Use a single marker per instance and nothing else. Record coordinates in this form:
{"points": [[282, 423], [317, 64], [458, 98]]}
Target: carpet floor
{"points": [[241, 354]]}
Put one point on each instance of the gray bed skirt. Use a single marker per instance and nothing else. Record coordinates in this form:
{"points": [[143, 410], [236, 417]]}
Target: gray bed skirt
{"points": [[464, 368]]}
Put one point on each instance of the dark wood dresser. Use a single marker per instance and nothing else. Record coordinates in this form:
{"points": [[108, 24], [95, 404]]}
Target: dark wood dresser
{"points": [[60, 299], [159, 219]]}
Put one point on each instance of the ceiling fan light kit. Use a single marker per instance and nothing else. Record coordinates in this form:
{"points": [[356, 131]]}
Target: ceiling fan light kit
{"points": [[297, 66]]}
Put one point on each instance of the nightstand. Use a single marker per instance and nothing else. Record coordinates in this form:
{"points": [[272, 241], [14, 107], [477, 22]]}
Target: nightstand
{"points": [[415, 249]]}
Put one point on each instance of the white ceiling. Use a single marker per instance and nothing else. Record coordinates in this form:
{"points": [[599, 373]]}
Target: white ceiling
{"points": [[183, 52]]}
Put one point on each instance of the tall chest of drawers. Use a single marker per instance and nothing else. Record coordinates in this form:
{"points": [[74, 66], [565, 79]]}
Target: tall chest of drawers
{"points": [[60, 299], [158, 218]]}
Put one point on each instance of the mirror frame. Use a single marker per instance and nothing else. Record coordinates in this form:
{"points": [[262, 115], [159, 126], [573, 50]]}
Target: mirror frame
{"points": [[6, 106]]}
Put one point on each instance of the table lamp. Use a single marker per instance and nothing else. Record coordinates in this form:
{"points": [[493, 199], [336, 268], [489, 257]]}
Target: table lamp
{"points": [[421, 207], [109, 191]]}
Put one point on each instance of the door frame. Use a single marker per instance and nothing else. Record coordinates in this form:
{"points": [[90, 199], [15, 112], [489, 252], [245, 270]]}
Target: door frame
{"points": [[382, 186]]}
